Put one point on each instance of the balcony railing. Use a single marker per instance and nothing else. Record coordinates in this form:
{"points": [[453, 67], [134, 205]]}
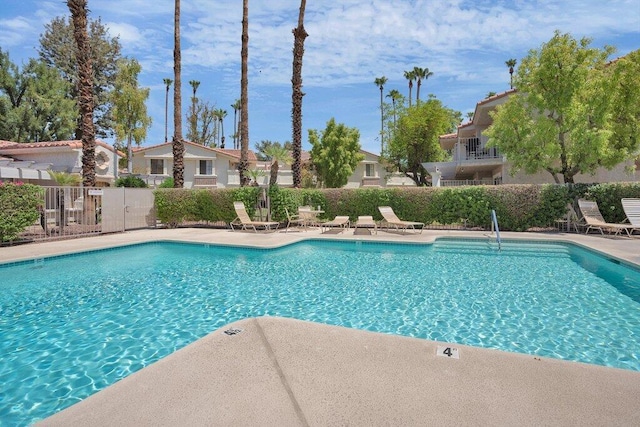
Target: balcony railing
{"points": [[461, 182], [474, 149]]}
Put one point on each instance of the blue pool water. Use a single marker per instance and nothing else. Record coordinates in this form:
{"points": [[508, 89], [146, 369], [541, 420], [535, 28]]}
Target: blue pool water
{"points": [[70, 326]]}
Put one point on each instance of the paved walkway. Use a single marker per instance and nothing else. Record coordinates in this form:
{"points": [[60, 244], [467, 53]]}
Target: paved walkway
{"points": [[286, 372]]}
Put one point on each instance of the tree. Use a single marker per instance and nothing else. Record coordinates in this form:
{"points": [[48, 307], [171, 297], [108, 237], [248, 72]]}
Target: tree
{"points": [[243, 165], [33, 103], [573, 113], [420, 74], [396, 97], [236, 106], [58, 49], [78, 9], [264, 146], [380, 82], [299, 36], [416, 139], [410, 76], [220, 114], [277, 154], [192, 119], [177, 142], [335, 153], [511, 63], [167, 83], [129, 108]]}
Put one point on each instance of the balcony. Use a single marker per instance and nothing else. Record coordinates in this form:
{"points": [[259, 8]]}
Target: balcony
{"points": [[474, 149]]}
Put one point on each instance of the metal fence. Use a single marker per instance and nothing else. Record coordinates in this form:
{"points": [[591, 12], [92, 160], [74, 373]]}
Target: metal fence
{"points": [[67, 212]]}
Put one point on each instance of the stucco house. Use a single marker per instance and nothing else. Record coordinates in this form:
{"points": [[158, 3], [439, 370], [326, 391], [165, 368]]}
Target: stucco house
{"points": [[473, 163], [29, 162], [206, 167]]}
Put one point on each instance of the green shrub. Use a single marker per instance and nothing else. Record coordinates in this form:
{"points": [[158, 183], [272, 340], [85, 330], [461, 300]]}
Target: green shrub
{"points": [[167, 183], [20, 208], [131, 181]]}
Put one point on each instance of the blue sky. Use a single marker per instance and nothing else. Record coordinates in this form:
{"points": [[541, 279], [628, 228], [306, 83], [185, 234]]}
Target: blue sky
{"points": [[350, 43]]}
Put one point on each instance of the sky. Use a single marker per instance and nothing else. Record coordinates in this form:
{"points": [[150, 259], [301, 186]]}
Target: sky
{"points": [[351, 42]]}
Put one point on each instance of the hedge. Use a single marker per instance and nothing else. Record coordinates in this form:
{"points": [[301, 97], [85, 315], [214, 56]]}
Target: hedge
{"points": [[19, 208], [518, 207]]}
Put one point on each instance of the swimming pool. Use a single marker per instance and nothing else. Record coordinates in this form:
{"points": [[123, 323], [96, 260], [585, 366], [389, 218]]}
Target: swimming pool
{"points": [[72, 325]]}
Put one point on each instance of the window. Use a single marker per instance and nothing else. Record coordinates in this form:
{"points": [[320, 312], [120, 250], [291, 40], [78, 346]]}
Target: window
{"points": [[370, 170], [157, 166], [206, 167]]}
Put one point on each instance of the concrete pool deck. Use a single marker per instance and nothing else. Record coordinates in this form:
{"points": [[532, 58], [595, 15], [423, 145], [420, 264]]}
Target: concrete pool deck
{"points": [[276, 371]]}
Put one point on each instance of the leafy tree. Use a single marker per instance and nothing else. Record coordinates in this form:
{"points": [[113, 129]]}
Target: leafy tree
{"points": [[33, 103], [573, 112], [58, 50], [416, 139], [299, 36], [205, 132], [335, 153], [264, 146], [85, 85], [277, 154], [130, 110]]}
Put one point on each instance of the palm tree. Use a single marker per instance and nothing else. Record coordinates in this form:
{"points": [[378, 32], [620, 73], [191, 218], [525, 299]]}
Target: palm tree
{"points": [[220, 115], [277, 154], [178, 143], [78, 9], [380, 82], [243, 166], [511, 63], [193, 119], [236, 107], [409, 75], [299, 35], [420, 74], [395, 96], [167, 83]]}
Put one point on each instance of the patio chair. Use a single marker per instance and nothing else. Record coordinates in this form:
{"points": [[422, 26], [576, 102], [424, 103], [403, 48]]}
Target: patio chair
{"points": [[244, 222], [341, 222], [632, 211], [595, 220], [570, 220], [390, 219], [365, 221], [295, 220]]}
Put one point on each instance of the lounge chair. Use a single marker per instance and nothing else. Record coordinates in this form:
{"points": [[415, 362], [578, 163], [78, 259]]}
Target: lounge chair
{"points": [[341, 222], [390, 219], [632, 211], [295, 220], [595, 221], [365, 221], [244, 222]]}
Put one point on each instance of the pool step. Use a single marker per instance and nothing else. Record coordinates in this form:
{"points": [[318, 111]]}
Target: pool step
{"points": [[480, 246]]}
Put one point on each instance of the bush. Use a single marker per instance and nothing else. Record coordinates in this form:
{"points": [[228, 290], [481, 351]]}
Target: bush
{"points": [[167, 183], [518, 207], [131, 182], [21, 204]]}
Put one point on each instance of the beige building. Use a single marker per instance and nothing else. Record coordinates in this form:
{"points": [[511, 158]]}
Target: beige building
{"points": [[29, 162], [473, 163]]}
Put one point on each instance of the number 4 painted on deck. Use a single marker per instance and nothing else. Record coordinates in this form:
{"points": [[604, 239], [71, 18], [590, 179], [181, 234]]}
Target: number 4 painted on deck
{"points": [[446, 351]]}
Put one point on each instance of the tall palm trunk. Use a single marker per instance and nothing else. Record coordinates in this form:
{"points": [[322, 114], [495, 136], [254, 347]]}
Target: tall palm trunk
{"points": [[299, 35], [178, 144], [78, 9], [243, 166], [167, 83]]}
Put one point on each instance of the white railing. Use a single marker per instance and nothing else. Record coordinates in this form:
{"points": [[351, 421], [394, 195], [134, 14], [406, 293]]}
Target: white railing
{"points": [[462, 182], [474, 149]]}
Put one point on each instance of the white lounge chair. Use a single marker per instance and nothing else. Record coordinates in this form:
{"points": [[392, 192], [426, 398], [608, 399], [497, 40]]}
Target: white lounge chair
{"points": [[341, 222], [295, 220], [632, 211], [390, 219], [244, 221], [595, 221], [365, 221]]}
